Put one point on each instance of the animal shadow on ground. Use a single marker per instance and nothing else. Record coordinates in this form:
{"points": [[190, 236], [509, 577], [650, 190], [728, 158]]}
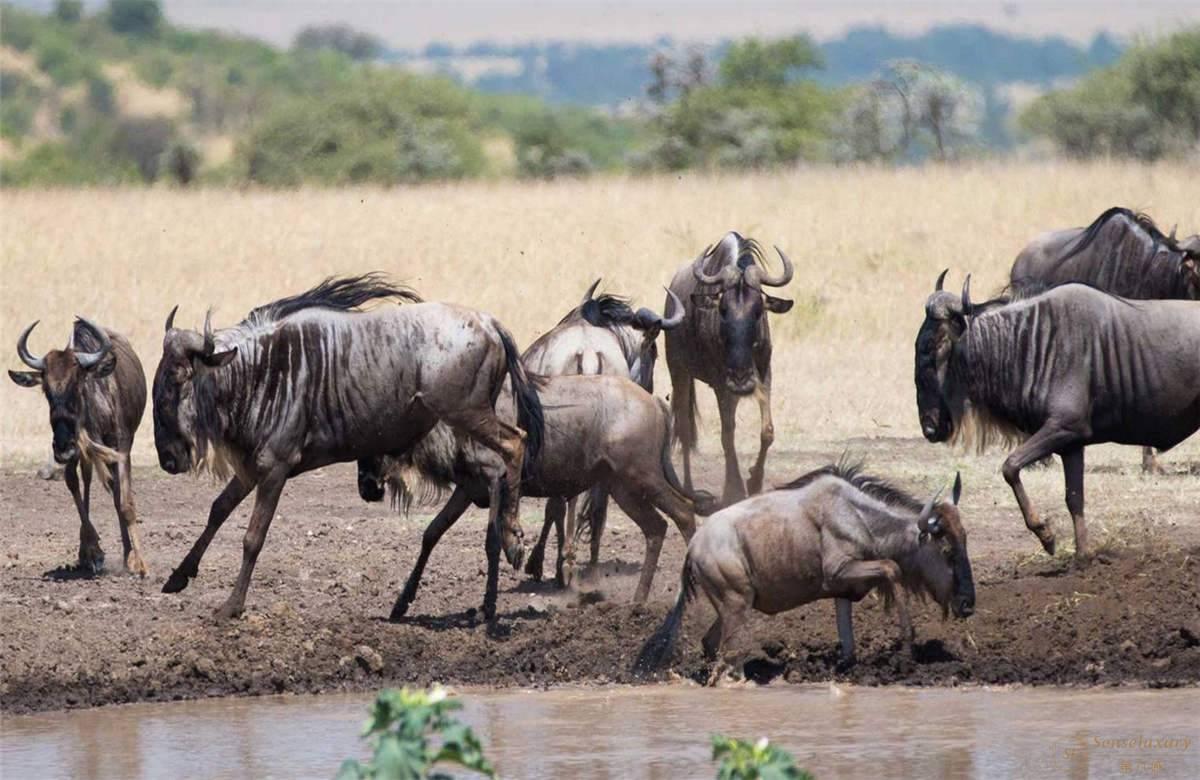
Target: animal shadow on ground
{"points": [[932, 651], [72, 572], [472, 617]]}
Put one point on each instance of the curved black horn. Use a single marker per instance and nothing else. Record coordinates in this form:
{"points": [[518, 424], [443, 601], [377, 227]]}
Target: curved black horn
{"points": [[703, 278], [927, 510], [784, 276], [210, 344], [37, 364], [171, 318], [89, 359], [966, 296], [587, 296], [941, 280], [677, 305]]}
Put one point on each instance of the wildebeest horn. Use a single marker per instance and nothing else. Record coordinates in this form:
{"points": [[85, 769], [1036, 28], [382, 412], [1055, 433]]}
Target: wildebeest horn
{"points": [[587, 296], [171, 319], [674, 320], [37, 364], [761, 277], [927, 510], [1173, 229], [703, 278], [210, 343], [89, 359], [966, 296], [940, 280]]}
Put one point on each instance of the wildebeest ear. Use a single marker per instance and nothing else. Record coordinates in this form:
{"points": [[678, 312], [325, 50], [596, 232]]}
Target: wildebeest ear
{"points": [[777, 305], [957, 492], [705, 300], [219, 359], [26, 378]]}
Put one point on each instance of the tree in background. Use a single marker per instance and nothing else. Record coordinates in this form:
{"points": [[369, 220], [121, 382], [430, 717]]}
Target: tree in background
{"points": [[135, 17], [1147, 106], [356, 45], [753, 63], [69, 11]]}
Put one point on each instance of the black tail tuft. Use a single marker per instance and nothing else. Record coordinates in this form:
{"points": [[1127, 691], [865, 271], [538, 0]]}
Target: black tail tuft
{"points": [[658, 648], [529, 406], [594, 514]]}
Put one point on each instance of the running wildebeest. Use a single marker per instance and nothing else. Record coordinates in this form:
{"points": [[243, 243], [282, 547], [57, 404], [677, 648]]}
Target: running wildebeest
{"points": [[725, 342], [311, 380], [1121, 252], [834, 533], [97, 392], [599, 430], [602, 335], [1070, 367]]}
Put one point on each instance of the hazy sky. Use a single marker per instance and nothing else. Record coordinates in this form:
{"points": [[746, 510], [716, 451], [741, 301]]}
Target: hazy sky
{"points": [[414, 23]]}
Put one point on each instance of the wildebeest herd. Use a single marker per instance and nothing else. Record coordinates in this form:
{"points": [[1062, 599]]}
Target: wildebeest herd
{"points": [[1096, 338]]}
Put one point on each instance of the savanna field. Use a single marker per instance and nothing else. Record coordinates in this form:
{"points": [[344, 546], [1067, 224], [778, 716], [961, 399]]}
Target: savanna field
{"points": [[867, 244]]}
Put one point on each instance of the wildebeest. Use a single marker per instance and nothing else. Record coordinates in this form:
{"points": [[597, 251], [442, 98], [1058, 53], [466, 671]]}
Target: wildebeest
{"points": [[834, 533], [1070, 367], [725, 342], [311, 380], [1121, 252], [599, 431], [96, 390], [602, 335]]}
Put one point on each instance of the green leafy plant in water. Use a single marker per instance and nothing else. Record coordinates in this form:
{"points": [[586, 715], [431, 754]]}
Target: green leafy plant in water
{"points": [[743, 760], [401, 728]]}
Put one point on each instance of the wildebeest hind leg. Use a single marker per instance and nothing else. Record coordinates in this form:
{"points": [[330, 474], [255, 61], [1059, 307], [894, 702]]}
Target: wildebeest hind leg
{"points": [[845, 628], [535, 564], [127, 516], [91, 557], [654, 528], [1048, 440], [266, 498], [1150, 464], [734, 616], [454, 508], [222, 507], [1072, 461]]}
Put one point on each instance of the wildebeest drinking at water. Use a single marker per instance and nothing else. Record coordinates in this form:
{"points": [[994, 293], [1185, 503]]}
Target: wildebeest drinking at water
{"points": [[834, 533], [1121, 252], [96, 390], [725, 342], [310, 380], [1070, 367]]}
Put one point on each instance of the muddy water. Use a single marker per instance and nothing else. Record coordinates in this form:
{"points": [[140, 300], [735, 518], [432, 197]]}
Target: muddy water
{"points": [[659, 732]]}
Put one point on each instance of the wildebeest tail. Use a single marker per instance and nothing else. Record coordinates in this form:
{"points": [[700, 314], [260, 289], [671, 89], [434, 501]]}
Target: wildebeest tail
{"points": [[593, 514], [658, 648], [530, 416], [685, 414], [703, 502]]}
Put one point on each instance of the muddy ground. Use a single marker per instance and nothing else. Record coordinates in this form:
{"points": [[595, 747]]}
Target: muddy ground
{"points": [[332, 566]]}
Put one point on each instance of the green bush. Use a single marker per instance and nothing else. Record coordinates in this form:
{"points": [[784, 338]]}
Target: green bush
{"points": [[135, 17], [412, 733], [19, 101], [66, 165], [18, 29], [69, 11], [143, 141], [61, 59], [742, 760]]}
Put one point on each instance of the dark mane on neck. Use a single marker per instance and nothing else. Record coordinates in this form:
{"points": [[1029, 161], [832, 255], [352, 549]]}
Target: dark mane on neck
{"points": [[338, 293], [603, 311], [852, 473], [1137, 218]]}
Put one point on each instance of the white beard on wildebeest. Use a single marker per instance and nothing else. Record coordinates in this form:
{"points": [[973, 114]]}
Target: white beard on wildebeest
{"points": [[725, 342], [1054, 373], [1122, 252], [311, 380]]}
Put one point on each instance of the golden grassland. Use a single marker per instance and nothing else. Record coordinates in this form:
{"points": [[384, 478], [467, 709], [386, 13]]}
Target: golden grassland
{"points": [[867, 244]]}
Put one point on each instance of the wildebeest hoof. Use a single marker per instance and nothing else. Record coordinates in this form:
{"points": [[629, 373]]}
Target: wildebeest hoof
{"points": [[135, 565], [845, 663], [91, 562], [176, 582], [227, 611], [399, 610], [533, 567], [515, 553], [1047, 541]]}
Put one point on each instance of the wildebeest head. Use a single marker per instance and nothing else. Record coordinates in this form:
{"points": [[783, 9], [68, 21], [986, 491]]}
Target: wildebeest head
{"points": [[186, 355], [946, 569], [63, 375], [940, 397], [651, 324], [740, 302], [1190, 267]]}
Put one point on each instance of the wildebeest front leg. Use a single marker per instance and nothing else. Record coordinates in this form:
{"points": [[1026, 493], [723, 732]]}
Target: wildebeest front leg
{"points": [[845, 628], [557, 512], [734, 490], [1150, 463], [127, 516], [222, 507], [507, 441], [762, 394], [1072, 461], [91, 557], [1046, 441], [536, 562], [859, 576], [266, 498], [492, 549], [454, 508]]}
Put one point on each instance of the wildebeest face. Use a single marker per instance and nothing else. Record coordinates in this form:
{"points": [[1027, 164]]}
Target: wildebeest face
{"points": [[741, 305], [1190, 269], [186, 354], [63, 376], [948, 577], [937, 393]]}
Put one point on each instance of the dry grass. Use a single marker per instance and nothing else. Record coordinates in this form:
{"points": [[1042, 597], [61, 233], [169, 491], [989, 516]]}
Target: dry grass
{"points": [[867, 245]]}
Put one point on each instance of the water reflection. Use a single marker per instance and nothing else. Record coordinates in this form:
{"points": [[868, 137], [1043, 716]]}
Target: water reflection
{"points": [[653, 733]]}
